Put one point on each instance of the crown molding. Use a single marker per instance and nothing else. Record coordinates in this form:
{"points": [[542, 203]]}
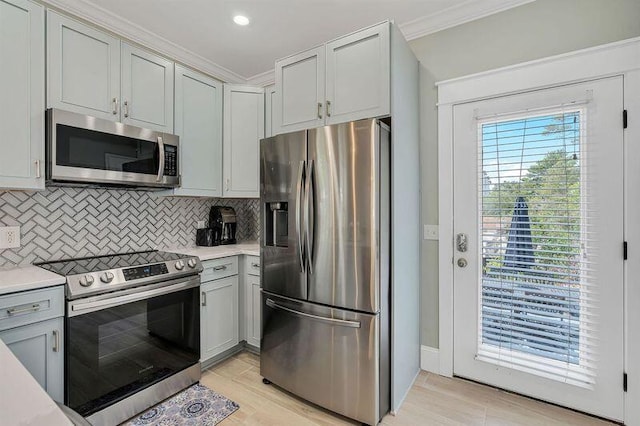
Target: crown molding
{"points": [[462, 13], [126, 29], [263, 79]]}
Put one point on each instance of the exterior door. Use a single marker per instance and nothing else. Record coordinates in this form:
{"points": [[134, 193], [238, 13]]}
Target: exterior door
{"points": [[282, 171], [538, 281], [83, 69], [22, 99], [147, 89], [300, 91], [343, 193]]}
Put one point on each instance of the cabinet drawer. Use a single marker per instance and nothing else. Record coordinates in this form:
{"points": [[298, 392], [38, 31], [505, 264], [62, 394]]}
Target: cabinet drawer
{"points": [[31, 306], [252, 265], [219, 268]]}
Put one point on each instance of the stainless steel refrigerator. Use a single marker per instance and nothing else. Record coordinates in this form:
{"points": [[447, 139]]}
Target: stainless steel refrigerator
{"points": [[325, 196]]}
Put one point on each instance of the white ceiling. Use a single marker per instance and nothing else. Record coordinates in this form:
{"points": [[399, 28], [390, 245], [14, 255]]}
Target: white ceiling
{"points": [[278, 27]]}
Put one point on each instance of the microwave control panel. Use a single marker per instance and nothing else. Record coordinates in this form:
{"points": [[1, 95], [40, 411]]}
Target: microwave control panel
{"points": [[170, 160]]}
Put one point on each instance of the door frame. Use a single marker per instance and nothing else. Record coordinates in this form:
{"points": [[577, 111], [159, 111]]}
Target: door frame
{"points": [[614, 59]]}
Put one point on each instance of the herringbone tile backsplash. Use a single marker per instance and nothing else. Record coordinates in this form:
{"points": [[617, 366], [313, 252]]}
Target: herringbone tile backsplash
{"points": [[74, 222]]}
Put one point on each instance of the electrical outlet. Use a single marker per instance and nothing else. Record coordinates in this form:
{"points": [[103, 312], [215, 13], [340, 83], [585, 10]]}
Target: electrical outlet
{"points": [[200, 224], [430, 232], [9, 237]]}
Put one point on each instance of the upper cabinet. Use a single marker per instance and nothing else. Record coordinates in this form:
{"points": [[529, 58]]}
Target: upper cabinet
{"points": [[22, 100], [147, 89], [198, 122], [300, 90], [83, 68], [269, 104], [243, 129], [91, 72], [343, 80], [358, 75]]}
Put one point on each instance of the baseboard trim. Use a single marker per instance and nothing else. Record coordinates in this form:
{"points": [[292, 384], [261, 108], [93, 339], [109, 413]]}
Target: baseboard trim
{"points": [[430, 359]]}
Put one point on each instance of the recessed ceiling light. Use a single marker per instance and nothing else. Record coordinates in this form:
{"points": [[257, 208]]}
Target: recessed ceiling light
{"points": [[241, 20]]}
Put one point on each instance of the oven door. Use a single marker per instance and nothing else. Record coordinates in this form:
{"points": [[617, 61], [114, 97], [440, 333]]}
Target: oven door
{"points": [[120, 343], [90, 150]]}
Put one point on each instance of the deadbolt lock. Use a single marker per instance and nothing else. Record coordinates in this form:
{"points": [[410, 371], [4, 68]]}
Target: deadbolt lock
{"points": [[462, 262]]}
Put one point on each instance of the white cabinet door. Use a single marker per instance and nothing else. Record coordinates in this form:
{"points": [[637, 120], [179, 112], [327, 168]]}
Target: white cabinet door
{"points": [[300, 91], [21, 95], [243, 129], [269, 106], [219, 316], [198, 122], [147, 89], [83, 68], [358, 75], [39, 347], [252, 309]]}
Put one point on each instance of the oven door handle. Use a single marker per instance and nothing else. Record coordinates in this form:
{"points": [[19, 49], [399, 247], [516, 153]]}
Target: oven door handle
{"points": [[80, 307]]}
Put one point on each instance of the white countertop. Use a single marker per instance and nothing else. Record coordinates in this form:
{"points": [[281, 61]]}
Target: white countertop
{"points": [[27, 278], [208, 253], [22, 400]]}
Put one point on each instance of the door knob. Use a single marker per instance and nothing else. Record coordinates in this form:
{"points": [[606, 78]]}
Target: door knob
{"points": [[462, 262]]}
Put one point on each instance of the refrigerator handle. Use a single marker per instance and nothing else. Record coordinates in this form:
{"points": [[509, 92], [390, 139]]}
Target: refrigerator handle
{"points": [[332, 321], [299, 195], [310, 215]]}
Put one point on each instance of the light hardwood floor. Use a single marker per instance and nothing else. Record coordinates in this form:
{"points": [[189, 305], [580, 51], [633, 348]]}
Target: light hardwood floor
{"points": [[433, 400]]}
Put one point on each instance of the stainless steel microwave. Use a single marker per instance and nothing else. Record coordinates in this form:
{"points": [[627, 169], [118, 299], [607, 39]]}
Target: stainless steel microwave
{"points": [[86, 150]]}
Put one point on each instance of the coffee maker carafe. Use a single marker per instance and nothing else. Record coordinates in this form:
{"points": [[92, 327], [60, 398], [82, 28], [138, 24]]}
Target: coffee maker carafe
{"points": [[223, 222]]}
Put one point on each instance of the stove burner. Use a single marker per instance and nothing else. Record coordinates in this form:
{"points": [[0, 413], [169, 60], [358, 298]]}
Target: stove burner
{"points": [[102, 263], [90, 276]]}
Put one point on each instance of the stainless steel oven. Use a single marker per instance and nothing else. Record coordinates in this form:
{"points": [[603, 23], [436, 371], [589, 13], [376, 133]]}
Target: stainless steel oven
{"points": [[132, 331], [87, 150], [126, 349]]}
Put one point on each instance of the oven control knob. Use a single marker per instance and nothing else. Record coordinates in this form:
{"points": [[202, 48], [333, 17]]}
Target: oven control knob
{"points": [[192, 263], [86, 281], [107, 277], [179, 265]]}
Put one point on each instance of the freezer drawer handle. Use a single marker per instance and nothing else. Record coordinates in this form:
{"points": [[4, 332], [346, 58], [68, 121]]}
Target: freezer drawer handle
{"points": [[332, 321]]}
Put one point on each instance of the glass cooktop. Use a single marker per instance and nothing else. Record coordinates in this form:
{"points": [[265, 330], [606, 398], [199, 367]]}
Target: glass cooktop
{"points": [[103, 263]]}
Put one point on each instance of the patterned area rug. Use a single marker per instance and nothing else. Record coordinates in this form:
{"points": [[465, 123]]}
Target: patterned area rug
{"points": [[197, 405]]}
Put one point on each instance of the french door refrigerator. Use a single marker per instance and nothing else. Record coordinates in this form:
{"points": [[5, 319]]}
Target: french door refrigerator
{"points": [[325, 266]]}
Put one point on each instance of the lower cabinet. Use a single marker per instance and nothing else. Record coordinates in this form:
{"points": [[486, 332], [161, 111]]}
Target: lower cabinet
{"points": [[230, 305], [219, 316], [39, 347], [252, 309]]}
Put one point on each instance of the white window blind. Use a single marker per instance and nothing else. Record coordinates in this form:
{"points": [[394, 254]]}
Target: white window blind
{"points": [[535, 294]]}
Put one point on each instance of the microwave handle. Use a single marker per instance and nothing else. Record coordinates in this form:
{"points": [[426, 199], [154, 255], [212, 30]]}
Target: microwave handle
{"points": [[161, 155]]}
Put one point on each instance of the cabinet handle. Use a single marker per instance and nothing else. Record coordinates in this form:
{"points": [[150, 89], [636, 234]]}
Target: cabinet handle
{"points": [[126, 109], [320, 110], [227, 184], [13, 311], [220, 268], [56, 340], [255, 265], [328, 108], [38, 169], [115, 106], [204, 299]]}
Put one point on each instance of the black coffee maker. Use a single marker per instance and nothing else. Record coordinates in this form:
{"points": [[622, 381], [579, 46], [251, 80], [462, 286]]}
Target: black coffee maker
{"points": [[223, 222]]}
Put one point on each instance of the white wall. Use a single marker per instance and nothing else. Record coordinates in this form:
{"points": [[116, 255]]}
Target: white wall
{"points": [[536, 30]]}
